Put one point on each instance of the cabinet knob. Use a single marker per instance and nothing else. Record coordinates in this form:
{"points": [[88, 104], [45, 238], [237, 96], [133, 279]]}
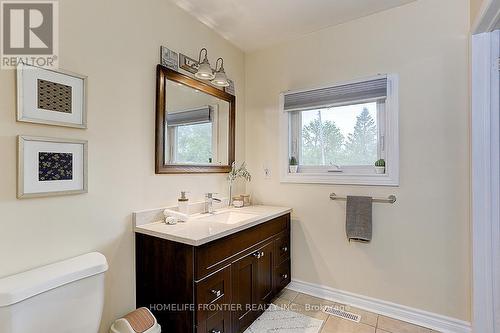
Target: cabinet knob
{"points": [[262, 254], [217, 293], [215, 331], [257, 255], [284, 249], [284, 276]]}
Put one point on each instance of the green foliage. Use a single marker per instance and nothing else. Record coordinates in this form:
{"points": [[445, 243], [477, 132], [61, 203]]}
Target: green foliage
{"points": [[323, 143], [380, 163], [293, 160], [361, 145], [240, 172], [194, 143]]}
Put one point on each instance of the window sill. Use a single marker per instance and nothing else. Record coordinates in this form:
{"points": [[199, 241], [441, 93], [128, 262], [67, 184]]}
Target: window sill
{"points": [[341, 179]]}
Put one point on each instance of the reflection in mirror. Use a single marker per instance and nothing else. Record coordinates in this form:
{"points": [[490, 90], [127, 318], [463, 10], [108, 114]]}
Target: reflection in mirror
{"points": [[196, 127]]}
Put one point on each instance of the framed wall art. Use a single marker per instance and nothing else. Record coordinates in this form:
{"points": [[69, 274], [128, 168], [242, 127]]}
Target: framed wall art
{"points": [[169, 58], [230, 89], [47, 96], [50, 166]]}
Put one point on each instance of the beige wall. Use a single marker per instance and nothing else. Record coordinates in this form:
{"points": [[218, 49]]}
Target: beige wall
{"points": [[419, 255], [117, 45]]}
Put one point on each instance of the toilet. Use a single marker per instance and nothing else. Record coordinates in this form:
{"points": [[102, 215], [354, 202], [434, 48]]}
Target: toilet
{"points": [[67, 296]]}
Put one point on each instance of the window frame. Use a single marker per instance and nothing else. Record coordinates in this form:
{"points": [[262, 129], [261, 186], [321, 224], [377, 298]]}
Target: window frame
{"points": [[350, 175]]}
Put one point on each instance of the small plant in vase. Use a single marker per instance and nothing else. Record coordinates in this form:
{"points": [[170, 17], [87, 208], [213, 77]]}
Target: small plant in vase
{"points": [[380, 166], [234, 174], [293, 165]]}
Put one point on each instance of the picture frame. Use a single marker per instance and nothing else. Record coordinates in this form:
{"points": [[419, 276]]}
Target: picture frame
{"points": [[230, 89], [169, 58], [51, 97], [51, 166]]}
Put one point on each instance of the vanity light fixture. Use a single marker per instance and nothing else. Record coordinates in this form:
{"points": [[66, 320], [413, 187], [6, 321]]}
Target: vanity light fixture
{"points": [[204, 72], [220, 79]]}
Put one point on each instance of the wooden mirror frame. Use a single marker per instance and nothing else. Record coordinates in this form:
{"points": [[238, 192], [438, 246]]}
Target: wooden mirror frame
{"points": [[162, 75]]}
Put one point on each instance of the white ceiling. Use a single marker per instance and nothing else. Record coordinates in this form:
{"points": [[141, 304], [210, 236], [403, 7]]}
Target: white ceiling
{"points": [[254, 24]]}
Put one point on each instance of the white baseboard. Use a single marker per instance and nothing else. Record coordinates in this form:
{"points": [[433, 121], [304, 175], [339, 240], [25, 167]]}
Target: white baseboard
{"points": [[415, 316]]}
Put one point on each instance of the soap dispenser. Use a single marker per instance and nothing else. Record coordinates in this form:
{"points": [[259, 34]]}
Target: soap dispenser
{"points": [[183, 203]]}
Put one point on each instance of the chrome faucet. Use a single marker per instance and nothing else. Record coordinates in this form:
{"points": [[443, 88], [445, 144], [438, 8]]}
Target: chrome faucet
{"points": [[209, 202]]}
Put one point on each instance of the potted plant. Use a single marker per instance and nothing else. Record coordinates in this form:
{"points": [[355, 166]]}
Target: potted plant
{"points": [[234, 174], [380, 166], [293, 166]]}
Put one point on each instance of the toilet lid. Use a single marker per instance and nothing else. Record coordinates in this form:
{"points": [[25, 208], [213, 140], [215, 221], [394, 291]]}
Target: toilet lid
{"points": [[18, 287]]}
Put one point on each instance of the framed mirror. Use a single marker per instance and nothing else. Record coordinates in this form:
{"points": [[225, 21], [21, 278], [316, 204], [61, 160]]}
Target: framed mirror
{"points": [[195, 125]]}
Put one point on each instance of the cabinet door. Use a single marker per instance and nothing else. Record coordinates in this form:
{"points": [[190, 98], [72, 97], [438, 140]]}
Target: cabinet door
{"points": [[244, 291], [215, 324], [265, 265]]}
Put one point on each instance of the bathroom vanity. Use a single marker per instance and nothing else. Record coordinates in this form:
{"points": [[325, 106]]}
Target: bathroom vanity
{"points": [[214, 273]]}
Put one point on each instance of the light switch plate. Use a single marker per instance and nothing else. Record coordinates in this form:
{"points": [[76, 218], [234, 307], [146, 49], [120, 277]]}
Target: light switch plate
{"points": [[267, 171]]}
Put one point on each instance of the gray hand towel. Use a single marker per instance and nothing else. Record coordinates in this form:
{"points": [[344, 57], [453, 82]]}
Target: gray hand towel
{"points": [[359, 218]]}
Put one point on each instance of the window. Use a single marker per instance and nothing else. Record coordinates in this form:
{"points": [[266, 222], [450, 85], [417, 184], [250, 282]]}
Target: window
{"points": [[193, 143], [192, 136], [337, 133]]}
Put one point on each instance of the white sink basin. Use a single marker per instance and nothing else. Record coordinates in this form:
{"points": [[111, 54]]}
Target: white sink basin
{"points": [[230, 217]]}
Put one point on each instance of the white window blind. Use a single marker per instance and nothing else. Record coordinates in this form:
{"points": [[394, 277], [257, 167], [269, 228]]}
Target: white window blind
{"points": [[337, 95], [190, 117]]}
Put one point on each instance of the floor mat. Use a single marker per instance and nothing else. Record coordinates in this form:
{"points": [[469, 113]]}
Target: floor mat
{"points": [[279, 320]]}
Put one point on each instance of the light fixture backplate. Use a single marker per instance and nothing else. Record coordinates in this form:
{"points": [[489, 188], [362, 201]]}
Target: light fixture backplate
{"points": [[188, 63]]}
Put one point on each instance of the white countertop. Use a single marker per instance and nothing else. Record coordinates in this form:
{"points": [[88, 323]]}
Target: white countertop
{"points": [[198, 230]]}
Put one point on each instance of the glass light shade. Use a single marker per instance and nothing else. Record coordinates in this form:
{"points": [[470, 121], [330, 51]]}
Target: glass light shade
{"points": [[220, 79], [205, 71]]}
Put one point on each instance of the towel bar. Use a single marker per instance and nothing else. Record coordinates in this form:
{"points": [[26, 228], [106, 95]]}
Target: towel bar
{"points": [[390, 199]]}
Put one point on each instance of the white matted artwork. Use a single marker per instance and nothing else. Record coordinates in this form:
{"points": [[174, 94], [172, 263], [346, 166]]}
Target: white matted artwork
{"points": [[50, 166], [51, 97], [169, 58]]}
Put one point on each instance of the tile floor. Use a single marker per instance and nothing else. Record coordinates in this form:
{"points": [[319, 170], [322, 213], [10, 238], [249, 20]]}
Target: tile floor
{"points": [[370, 322]]}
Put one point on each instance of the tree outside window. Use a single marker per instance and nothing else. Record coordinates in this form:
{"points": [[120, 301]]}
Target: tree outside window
{"points": [[324, 142]]}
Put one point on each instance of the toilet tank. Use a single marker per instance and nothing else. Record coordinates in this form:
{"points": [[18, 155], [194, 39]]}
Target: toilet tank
{"points": [[66, 296]]}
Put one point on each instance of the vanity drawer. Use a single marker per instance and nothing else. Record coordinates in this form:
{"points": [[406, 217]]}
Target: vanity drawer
{"points": [[214, 255], [213, 293], [282, 276], [282, 248]]}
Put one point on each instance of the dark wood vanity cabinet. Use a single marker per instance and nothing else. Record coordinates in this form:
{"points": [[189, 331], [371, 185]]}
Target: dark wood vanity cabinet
{"points": [[244, 291], [218, 287], [265, 270]]}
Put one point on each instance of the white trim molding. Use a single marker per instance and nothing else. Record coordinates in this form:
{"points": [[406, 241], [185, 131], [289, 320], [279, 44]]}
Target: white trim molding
{"points": [[415, 316], [485, 183], [488, 17]]}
